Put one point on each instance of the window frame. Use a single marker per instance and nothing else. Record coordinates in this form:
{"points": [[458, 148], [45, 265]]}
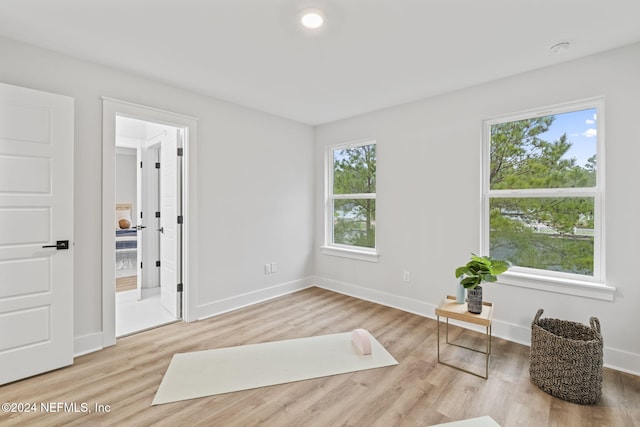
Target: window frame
{"points": [[330, 247], [562, 282]]}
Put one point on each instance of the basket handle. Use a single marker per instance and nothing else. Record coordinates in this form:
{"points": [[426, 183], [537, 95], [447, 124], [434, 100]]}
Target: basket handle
{"points": [[595, 324], [538, 314]]}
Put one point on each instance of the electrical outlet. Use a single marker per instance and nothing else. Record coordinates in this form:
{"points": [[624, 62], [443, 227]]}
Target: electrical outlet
{"points": [[406, 277], [267, 269], [274, 267]]}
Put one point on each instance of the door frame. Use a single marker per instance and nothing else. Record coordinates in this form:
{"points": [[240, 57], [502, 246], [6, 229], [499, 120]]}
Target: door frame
{"points": [[110, 109]]}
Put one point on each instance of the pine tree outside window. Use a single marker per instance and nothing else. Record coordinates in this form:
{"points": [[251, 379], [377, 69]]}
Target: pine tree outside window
{"points": [[543, 194], [351, 200]]}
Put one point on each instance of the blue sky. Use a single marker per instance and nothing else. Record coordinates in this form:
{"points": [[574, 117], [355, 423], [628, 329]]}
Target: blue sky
{"points": [[580, 127]]}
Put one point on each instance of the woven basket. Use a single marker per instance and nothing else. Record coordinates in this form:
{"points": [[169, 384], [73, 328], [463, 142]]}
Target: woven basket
{"points": [[566, 359]]}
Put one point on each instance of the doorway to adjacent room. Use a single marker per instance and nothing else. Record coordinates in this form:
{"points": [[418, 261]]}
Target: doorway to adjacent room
{"points": [[145, 199]]}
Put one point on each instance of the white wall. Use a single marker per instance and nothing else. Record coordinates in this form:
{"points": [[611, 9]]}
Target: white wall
{"points": [[255, 201], [126, 179], [260, 192], [428, 214]]}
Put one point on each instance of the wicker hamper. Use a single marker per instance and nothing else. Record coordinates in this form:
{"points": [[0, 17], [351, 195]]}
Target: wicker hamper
{"points": [[566, 359]]}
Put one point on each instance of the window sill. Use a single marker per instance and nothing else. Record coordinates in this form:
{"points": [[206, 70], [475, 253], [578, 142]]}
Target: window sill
{"points": [[361, 255], [580, 288]]}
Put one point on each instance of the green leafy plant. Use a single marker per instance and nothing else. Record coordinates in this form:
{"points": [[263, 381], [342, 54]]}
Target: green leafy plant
{"points": [[481, 269]]}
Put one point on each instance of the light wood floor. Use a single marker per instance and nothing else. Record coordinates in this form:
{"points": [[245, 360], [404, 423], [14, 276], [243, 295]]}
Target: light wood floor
{"points": [[127, 283], [417, 392]]}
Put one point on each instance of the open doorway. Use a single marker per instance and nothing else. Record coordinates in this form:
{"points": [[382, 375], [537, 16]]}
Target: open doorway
{"points": [[147, 211], [162, 210]]}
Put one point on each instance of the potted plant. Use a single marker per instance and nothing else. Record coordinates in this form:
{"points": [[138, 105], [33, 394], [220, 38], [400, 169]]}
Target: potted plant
{"points": [[478, 270]]}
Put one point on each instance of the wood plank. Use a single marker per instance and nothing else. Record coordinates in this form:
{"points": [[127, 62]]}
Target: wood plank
{"points": [[417, 392], [127, 283], [448, 307]]}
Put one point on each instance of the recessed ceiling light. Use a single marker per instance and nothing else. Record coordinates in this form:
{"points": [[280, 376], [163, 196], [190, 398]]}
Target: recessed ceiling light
{"points": [[560, 47], [312, 19]]}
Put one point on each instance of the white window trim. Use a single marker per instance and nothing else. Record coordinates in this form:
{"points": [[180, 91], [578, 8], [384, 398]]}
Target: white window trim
{"points": [[561, 285], [334, 249], [573, 284], [350, 252]]}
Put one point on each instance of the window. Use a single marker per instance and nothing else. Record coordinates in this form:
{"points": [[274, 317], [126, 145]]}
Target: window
{"points": [[543, 194], [351, 201]]}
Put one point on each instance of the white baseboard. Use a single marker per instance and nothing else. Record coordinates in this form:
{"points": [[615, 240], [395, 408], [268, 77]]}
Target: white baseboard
{"points": [[239, 301], [401, 303], [613, 358], [622, 361], [87, 344]]}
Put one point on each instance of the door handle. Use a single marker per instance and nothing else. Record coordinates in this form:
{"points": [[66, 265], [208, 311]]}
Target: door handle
{"points": [[140, 227], [60, 245]]}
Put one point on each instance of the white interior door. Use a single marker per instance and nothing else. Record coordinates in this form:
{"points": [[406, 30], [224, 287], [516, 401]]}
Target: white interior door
{"points": [[170, 238], [139, 240], [36, 211], [150, 205]]}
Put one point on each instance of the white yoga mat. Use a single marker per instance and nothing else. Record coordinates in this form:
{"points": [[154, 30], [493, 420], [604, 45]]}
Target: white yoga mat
{"points": [[224, 370]]}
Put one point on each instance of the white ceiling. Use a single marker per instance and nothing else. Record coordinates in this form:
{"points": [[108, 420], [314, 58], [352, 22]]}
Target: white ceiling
{"points": [[131, 128], [138, 129], [370, 54]]}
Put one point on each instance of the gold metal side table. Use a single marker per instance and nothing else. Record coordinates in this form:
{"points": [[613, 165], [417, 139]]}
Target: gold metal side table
{"points": [[450, 309]]}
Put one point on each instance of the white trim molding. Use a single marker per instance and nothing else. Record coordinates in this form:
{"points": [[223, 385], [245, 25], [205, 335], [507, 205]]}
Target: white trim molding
{"points": [[87, 344], [395, 301], [236, 302], [591, 284], [559, 285], [349, 252], [330, 247], [110, 109]]}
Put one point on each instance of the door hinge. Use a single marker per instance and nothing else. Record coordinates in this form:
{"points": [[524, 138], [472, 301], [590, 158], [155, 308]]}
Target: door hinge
{"points": [[180, 152], [157, 165], [157, 263], [180, 219], [157, 214], [179, 287]]}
